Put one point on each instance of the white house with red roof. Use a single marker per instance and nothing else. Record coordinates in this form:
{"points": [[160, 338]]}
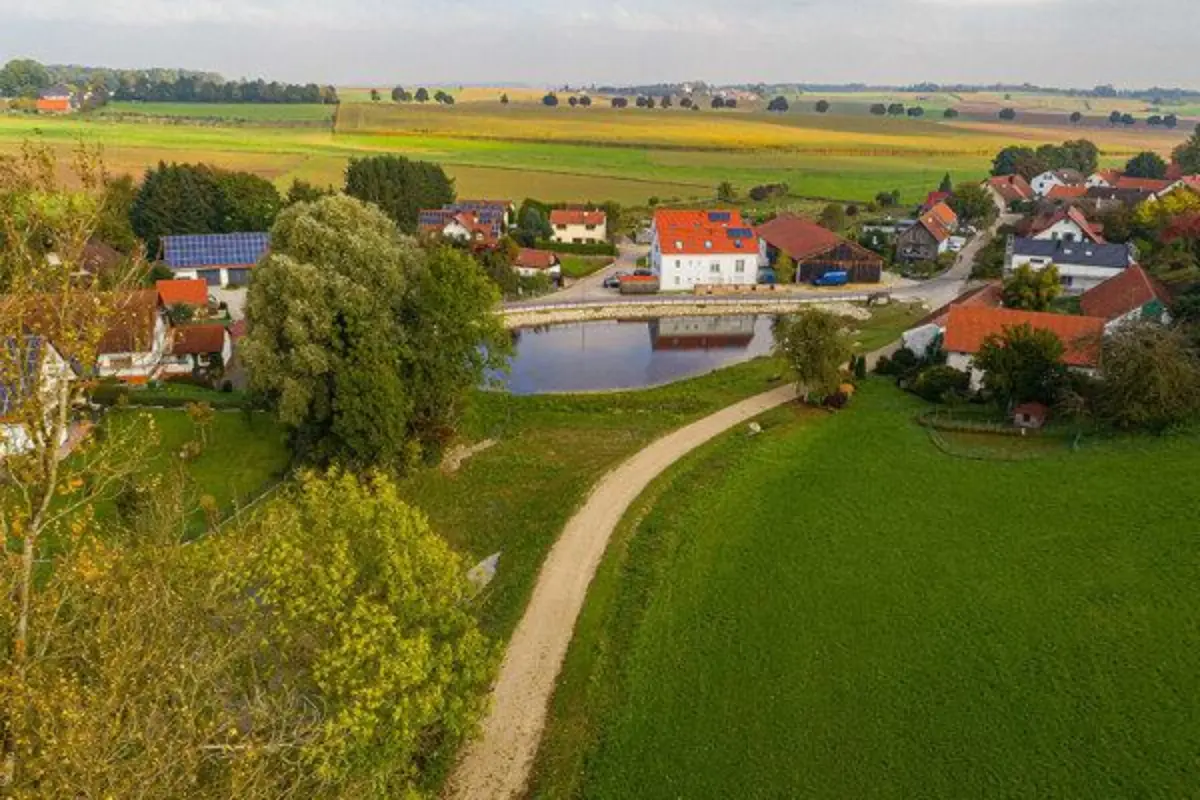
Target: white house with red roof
{"points": [[578, 226], [1065, 224], [1130, 296], [704, 248]]}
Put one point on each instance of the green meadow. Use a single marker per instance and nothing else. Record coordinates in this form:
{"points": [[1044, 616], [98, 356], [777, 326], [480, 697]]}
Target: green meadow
{"points": [[837, 608]]}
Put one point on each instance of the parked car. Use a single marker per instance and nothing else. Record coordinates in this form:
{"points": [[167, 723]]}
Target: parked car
{"points": [[614, 281], [837, 277]]}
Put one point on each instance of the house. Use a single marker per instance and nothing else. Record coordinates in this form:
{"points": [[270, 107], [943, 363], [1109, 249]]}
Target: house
{"points": [[197, 348], [135, 338], [470, 227], [817, 250], [1081, 265], [192, 292], [1010, 189], [530, 262], [704, 248], [930, 236], [30, 365], [57, 100], [479, 221], [1153, 186], [1042, 184], [1066, 224], [932, 199], [219, 259], [1105, 178], [501, 211], [1066, 194], [968, 327], [1030, 416], [1102, 199], [577, 226], [932, 328], [1132, 294]]}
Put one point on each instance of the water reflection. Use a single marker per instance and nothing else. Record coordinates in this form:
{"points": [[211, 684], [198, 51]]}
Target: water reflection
{"points": [[630, 354]]}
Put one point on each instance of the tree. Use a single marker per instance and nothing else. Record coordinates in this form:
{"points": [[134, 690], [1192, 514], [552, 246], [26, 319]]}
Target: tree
{"points": [[822, 106], [620, 102], [1154, 120], [895, 109], [916, 111], [398, 94], [301, 191], [375, 96], [974, 204], [717, 102], [247, 202], [1076, 117], [950, 113], [1146, 164], [367, 346], [1114, 118], [878, 109], [550, 100], [1077, 154], [1187, 155], [888, 199], [398, 186], [23, 77], [585, 101], [785, 268], [779, 104], [1023, 364], [113, 226], [1008, 114], [1015, 160], [833, 217], [686, 102], [1032, 290], [725, 192], [504, 99], [533, 226], [422, 95], [1150, 378], [176, 199], [947, 185], [1170, 121], [572, 101], [814, 345], [665, 101]]}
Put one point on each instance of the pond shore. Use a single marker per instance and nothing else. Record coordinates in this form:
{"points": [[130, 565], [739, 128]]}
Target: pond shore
{"points": [[517, 318]]}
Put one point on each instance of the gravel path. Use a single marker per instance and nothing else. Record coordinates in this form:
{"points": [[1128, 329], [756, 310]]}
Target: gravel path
{"points": [[496, 765]]}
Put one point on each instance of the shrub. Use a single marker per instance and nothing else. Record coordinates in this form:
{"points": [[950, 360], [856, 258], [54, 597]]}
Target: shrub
{"points": [[938, 383], [591, 249], [883, 366]]}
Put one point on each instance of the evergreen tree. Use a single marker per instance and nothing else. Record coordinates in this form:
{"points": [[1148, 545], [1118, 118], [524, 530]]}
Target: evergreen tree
{"points": [[398, 186]]}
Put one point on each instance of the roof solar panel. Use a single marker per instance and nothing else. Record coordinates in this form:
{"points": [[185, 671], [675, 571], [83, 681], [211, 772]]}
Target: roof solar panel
{"points": [[740, 233], [19, 370], [214, 249], [719, 216]]}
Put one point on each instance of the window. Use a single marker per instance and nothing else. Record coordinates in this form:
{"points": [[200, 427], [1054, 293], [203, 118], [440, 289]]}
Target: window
{"points": [[678, 264], [591, 227], [121, 362], [677, 280], [740, 265], [715, 267]]}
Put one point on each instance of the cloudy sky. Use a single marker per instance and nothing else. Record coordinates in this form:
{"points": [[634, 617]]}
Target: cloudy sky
{"points": [[550, 42]]}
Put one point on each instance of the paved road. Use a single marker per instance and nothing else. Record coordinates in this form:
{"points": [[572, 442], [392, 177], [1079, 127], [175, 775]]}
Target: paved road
{"points": [[496, 766], [592, 288]]}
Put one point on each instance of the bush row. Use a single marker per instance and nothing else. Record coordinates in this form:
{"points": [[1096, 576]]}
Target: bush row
{"points": [[593, 249]]}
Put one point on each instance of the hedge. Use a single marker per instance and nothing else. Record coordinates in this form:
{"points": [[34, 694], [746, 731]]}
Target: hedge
{"points": [[109, 394], [592, 249]]}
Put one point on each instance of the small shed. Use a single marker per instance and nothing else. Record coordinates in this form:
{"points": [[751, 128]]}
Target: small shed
{"points": [[1030, 415]]}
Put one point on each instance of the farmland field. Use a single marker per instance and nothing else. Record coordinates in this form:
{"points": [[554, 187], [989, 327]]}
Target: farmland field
{"points": [[574, 154], [838, 609]]}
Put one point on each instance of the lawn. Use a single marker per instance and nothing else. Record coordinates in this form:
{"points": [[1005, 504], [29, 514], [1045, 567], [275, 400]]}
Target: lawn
{"points": [[582, 266], [838, 609]]}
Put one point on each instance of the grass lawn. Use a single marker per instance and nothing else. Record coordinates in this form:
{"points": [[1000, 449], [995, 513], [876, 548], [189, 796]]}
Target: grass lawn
{"points": [[838, 609], [582, 266], [242, 112]]}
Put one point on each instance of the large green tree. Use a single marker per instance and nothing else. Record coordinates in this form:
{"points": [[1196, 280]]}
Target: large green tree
{"points": [[398, 186], [815, 345], [1187, 155], [367, 345], [1022, 364], [1150, 378], [973, 204], [23, 77], [1032, 290], [1146, 164], [248, 202]]}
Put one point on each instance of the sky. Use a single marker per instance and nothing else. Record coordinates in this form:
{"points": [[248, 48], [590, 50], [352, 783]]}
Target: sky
{"points": [[1069, 43]]}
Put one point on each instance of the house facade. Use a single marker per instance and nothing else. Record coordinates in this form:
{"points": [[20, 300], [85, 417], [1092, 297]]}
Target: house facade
{"points": [[816, 250], [929, 237], [1081, 265], [530, 263], [135, 340], [1130, 296], [571, 226], [221, 260], [968, 327], [37, 367], [1067, 225], [57, 100], [1048, 180], [1010, 189], [197, 348], [704, 248]]}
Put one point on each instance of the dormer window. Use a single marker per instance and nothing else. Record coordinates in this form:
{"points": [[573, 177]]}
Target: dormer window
{"points": [[707, 245]]}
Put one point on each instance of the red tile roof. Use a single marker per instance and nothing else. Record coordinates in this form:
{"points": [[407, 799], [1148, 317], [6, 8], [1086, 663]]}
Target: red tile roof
{"points": [[571, 216], [1066, 192], [535, 259], [701, 232], [1012, 188], [187, 292], [939, 221], [990, 295], [1127, 291], [130, 327], [198, 339], [1145, 184], [967, 327], [1109, 176], [1044, 222], [933, 198], [797, 236]]}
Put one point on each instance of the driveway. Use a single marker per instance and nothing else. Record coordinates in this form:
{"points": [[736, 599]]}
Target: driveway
{"points": [[592, 287]]}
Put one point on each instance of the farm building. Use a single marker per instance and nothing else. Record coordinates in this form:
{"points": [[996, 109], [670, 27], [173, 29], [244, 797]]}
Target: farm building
{"points": [[817, 250], [929, 330], [930, 236], [968, 327], [219, 259], [704, 248], [577, 226], [1132, 294], [1081, 265], [57, 100]]}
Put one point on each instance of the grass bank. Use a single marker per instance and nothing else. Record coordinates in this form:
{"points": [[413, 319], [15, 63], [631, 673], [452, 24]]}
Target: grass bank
{"points": [[839, 609]]}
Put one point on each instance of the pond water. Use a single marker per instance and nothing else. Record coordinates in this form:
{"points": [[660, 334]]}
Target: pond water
{"points": [[598, 356]]}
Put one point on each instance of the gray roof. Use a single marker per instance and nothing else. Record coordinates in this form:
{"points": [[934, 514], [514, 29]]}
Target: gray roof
{"points": [[1082, 254]]}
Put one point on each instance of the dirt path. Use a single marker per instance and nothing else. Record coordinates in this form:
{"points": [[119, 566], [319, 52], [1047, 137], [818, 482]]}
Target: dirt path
{"points": [[496, 765]]}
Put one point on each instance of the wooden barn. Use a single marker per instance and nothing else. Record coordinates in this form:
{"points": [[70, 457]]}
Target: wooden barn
{"points": [[817, 250]]}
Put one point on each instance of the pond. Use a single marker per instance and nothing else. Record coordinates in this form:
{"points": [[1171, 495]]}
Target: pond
{"points": [[631, 354]]}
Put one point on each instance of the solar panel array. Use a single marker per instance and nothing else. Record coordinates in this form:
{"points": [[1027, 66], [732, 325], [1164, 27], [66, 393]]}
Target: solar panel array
{"points": [[214, 249], [740, 233], [720, 216], [26, 353]]}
